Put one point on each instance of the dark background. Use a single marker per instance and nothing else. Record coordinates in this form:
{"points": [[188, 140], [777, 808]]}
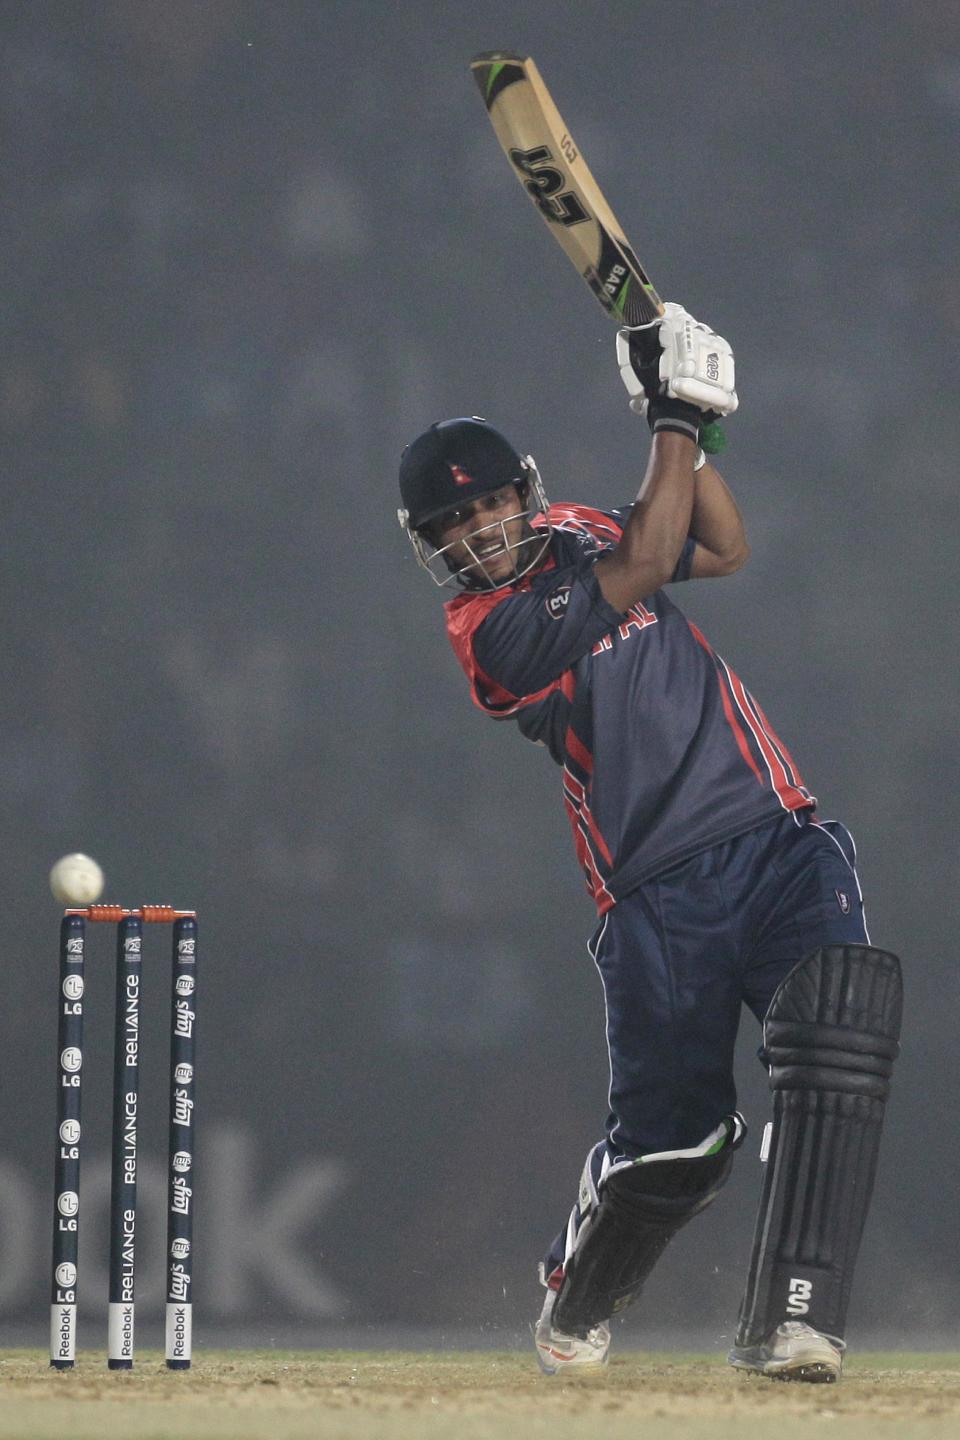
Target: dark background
{"points": [[250, 250]]}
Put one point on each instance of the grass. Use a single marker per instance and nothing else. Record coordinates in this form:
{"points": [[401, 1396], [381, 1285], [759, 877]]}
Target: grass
{"points": [[394, 1395]]}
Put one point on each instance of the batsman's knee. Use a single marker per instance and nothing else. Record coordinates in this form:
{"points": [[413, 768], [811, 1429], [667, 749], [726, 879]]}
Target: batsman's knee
{"points": [[834, 1023], [667, 1189]]}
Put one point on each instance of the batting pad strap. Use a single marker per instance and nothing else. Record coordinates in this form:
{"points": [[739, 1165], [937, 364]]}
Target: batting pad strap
{"points": [[731, 1131]]}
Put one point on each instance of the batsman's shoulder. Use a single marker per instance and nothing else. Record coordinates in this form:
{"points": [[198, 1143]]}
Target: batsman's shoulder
{"points": [[471, 603], [466, 612], [601, 525]]}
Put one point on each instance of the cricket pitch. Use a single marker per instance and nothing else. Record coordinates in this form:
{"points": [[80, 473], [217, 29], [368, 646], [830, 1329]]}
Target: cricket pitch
{"points": [[406, 1395]]}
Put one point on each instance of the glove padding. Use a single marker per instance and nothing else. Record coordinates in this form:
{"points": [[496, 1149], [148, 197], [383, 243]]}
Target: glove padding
{"points": [[677, 358]]}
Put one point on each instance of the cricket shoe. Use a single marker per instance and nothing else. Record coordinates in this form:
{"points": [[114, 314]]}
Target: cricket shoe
{"points": [[793, 1352], [559, 1353]]}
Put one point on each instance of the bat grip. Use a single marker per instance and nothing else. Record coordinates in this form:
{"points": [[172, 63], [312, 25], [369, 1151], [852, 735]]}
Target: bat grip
{"points": [[713, 438]]}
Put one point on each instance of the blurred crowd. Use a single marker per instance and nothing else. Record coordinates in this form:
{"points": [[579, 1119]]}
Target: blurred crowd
{"points": [[248, 256]]}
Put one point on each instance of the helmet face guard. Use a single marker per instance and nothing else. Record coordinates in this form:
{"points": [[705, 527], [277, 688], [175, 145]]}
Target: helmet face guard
{"points": [[529, 550]]}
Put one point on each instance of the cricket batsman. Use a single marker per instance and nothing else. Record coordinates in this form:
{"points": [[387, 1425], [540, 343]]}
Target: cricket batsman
{"points": [[716, 884]]}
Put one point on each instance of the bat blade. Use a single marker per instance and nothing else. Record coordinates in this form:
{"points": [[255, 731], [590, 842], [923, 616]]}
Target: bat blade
{"points": [[548, 164]]}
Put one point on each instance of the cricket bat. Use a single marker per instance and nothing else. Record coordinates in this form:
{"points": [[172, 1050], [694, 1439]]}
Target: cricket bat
{"points": [[548, 164]]}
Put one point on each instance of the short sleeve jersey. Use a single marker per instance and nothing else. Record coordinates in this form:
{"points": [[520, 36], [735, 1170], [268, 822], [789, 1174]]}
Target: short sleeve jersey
{"points": [[663, 750]]}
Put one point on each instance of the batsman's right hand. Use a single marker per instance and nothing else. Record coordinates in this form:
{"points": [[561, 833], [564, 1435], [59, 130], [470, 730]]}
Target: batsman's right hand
{"points": [[678, 358]]}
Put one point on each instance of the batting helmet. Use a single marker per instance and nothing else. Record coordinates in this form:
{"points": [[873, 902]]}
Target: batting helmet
{"points": [[448, 466]]}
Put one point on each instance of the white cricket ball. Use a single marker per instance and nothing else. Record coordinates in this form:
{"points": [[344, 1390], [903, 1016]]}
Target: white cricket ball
{"points": [[76, 880]]}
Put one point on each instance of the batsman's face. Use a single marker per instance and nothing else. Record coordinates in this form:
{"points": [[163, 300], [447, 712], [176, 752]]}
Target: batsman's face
{"points": [[485, 535]]}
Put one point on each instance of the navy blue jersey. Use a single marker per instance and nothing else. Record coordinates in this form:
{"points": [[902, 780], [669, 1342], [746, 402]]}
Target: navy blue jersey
{"points": [[663, 750]]}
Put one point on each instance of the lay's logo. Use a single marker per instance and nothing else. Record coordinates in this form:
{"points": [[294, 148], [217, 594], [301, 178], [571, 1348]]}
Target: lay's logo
{"points": [[460, 476]]}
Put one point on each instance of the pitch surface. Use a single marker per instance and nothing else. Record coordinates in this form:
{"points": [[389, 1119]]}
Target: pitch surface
{"points": [[340, 1395]]}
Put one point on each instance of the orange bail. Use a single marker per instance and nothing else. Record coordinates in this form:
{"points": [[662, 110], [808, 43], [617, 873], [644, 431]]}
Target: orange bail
{"points": [[149, 914]]}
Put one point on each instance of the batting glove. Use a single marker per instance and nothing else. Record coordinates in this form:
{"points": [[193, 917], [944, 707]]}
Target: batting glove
{"points": [[675, 367]]}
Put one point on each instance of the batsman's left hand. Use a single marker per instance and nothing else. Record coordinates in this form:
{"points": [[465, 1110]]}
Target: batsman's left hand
{"points": [[680, 358]]}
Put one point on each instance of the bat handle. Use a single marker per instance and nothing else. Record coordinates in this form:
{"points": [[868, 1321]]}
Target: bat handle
{"points": [[713, 438]]}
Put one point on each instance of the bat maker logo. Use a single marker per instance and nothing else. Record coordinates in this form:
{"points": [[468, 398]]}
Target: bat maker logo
{"points": [[615, 279], [799, 1296], [542, 181]]}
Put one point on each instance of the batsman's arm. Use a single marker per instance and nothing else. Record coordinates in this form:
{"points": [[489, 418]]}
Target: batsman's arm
{"points": [[717, 526], [646, 555], [676, 371]]}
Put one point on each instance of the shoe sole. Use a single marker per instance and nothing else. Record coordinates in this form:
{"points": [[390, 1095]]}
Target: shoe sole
{"points": [[572, 1368], [551, 1366], [814, 1372]]}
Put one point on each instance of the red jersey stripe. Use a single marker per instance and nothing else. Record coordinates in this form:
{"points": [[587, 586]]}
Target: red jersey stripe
{"points": [[790, 797], [728, 710], [571, 787], [498, 701], [576, 749], [595, 883], [782, 750]]}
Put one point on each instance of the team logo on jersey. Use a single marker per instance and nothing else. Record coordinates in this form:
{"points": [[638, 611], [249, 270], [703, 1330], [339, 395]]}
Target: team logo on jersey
{"points": [[460, 476], [843, 900], [558, 602]]}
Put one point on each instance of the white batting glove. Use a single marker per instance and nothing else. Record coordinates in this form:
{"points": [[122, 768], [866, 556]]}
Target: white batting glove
{"points": [[695, 365]]}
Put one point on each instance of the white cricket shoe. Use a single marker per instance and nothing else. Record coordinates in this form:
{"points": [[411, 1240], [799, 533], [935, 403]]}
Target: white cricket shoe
{"points": [[558, 1352], [793, 1352]]}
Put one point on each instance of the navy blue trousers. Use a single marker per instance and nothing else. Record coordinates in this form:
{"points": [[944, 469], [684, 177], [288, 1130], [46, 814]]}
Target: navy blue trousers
{"points": [[681, 955]]}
